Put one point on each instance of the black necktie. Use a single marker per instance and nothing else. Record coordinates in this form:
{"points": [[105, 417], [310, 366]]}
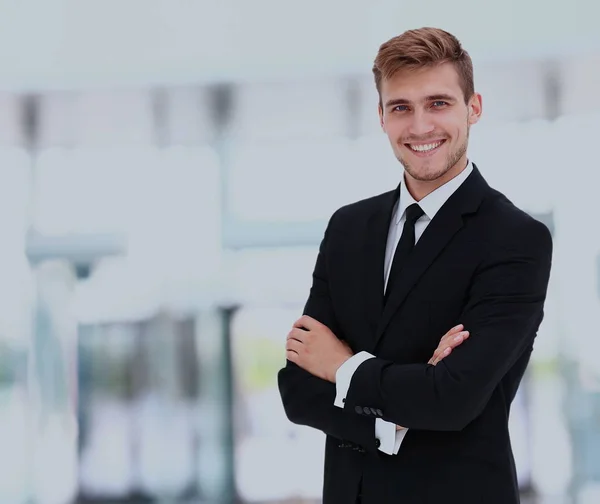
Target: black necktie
{"points": [[405, 245]]}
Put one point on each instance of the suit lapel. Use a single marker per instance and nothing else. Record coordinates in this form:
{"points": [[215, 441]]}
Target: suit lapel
{"points": [[446, 223], [378, 226]]}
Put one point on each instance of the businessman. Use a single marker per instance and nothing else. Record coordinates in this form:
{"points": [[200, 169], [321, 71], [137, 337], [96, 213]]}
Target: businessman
{"points": [[409, 418]]}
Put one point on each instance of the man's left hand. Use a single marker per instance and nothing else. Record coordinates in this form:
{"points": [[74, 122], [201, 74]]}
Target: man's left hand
{"points": [[312, 346]]}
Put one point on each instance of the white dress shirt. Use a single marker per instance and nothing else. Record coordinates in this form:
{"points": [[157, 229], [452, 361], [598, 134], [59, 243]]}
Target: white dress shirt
{"points": [[390, 439]]}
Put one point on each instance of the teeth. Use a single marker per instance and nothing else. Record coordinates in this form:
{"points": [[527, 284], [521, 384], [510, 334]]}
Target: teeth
{"points": [[426, 147]]}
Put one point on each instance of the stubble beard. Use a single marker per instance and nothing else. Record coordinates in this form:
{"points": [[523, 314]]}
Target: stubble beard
{"points": [[424, 176]]}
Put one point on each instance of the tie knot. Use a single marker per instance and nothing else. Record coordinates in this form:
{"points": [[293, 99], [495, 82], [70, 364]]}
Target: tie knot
{"points": [[413, 213]]}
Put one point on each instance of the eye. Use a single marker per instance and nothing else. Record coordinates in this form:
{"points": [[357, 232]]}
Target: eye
{"points": [[439, 104], [400, 108]]}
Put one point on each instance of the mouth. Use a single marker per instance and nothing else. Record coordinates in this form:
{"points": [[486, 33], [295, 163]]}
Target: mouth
{"points": [[424, 150]]}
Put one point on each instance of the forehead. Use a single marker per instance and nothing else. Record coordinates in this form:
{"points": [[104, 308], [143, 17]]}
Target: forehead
{"points": [[415, 85]]}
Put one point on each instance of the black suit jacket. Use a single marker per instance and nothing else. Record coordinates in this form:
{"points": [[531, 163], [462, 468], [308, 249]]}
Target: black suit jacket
{"points": [[481, 262]]}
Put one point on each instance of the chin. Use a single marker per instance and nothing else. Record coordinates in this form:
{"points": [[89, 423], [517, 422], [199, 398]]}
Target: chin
{"points": [[424, 174]]}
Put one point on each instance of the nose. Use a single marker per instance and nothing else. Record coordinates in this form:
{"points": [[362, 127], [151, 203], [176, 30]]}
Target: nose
{"points": [[421, 124]]}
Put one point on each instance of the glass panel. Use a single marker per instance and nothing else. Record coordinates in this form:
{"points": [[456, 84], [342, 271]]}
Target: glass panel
{"points": [[53, 385], [106, 365], [17, 301], [286, 182], [290, 111], [262, 431], [139, 384], [88, 190]]}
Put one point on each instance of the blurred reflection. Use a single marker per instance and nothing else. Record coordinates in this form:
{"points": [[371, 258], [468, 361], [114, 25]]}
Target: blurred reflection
{"points": [[53, 385], [263, 433], [141, 383], [15, 458], [17, 299]]}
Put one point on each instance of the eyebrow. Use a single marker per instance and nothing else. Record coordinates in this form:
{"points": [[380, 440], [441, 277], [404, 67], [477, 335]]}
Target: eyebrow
{"points": [[435, 97]]}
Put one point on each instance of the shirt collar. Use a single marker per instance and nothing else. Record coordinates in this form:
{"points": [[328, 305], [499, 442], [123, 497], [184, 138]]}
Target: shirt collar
{"points": [[431, 203]]}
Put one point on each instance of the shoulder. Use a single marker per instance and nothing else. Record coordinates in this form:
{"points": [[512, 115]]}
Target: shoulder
{"points": [[356, 212], [511, 228]]}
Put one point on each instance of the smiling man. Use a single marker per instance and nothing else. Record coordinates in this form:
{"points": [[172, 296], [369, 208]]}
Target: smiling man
{"points": [[409, 418]]}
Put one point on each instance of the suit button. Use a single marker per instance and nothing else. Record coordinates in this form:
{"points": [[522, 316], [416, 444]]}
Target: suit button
{"points": [[374, 411], [377, 443], [379, 412], [344, 400], [367, 410], [358, 409]]}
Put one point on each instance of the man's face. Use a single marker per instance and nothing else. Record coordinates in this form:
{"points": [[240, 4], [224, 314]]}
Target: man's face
{"points": [[427, 121]]}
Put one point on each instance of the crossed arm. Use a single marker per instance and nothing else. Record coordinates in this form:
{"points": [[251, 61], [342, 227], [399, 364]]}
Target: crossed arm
{"points": [[503, 311], [309, 399]]}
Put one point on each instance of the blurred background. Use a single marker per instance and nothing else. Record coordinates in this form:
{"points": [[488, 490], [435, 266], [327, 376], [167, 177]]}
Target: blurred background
{"points": [[167, 169]]}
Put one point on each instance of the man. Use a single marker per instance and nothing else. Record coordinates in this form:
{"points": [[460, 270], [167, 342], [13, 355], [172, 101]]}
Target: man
{"points": [[394, 273]]}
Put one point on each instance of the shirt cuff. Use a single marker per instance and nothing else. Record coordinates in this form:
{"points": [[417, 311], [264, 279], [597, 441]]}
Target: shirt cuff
{"points": [[344, 374], [390, 439], [386, 433], [399, 438]]}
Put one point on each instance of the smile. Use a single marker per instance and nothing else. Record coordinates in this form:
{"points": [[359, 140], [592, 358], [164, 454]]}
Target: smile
{"points": [[425, 149]]}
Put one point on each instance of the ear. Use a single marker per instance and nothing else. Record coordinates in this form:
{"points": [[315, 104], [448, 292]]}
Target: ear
{"points": [[475, 108], [381, 121]]}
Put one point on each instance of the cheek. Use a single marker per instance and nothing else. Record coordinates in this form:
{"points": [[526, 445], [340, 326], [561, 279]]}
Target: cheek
{"points": [[394, 131], [396, 140]]}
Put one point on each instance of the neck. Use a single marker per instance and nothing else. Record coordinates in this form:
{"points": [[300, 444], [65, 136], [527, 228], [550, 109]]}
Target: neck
{"points": [[418, 189]]}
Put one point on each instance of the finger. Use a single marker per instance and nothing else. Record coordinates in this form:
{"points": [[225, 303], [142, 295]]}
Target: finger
{"points": [[306, 322], [455, 329], [449, 336], [458, 338], [438, 355], [292, 345], [442, 355], [453, 339], [297, 334], [450, 343], [441, 348], [302, 322], [292, 356]]}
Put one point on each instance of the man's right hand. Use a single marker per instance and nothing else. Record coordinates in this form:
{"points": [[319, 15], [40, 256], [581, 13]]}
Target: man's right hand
{"points": [[449, 341]]}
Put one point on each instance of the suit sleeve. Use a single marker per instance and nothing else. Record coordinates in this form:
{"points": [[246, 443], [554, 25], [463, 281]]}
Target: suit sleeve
{"points": [[309, 400], [503, 311]]}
